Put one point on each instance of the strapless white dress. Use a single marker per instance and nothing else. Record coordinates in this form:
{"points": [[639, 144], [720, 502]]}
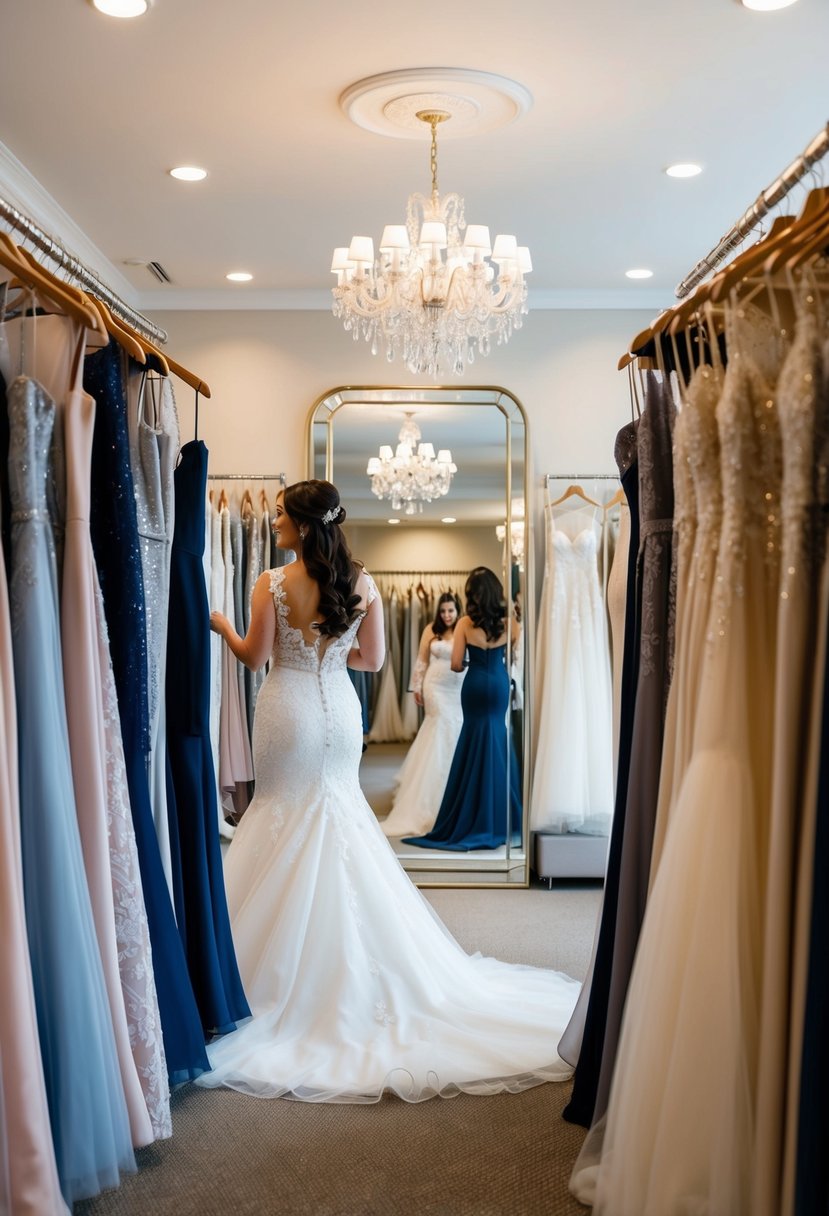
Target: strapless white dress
{"points": [[422, 777]]}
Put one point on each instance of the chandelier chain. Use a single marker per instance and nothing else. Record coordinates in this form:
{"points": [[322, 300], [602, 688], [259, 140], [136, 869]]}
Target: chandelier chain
{"points": [[434, 155]]}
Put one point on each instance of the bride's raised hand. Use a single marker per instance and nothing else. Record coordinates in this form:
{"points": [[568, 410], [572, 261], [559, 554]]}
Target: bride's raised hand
{"points": [[219, 623]]}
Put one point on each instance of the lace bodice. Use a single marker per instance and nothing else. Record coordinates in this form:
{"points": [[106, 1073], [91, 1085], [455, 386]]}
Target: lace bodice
{"points": [[290, 648], [440, 651]]}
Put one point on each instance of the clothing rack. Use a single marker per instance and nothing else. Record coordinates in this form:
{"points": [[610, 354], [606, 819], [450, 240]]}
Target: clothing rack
{"points": [[280, 477], [417, 573], [81, 273], [761, 206], [548, 477]]}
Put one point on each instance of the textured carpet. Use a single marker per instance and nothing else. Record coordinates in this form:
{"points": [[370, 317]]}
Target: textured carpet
{"points": [[466, 1156]]}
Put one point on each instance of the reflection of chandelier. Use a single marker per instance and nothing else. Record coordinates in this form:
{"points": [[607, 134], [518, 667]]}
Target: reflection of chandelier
{"points": [[434, 312], [516, 539], [412, 474]]}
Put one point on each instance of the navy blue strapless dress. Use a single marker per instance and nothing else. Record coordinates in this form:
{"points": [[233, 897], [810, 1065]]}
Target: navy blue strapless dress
{"points": [[473, 812], [116, 545], [203, 919]]}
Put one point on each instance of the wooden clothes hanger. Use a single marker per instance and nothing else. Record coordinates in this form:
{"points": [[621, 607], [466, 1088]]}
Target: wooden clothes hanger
{"points": [[66, 298], [573, 492], [618, 499], [675, 319]]}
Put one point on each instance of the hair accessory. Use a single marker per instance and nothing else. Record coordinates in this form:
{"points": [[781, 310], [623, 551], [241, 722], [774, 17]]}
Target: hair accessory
{"points": [[330, 516]]}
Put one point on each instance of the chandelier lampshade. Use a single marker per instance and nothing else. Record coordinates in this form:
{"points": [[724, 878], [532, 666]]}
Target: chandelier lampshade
{"points": [[438, 292], [411, 474]]}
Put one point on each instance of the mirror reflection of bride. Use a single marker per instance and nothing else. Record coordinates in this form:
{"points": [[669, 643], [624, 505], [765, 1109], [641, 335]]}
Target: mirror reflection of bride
{"points": [[422, 777]]}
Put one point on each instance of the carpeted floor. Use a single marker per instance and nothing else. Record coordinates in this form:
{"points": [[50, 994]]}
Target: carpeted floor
{"points": [[467, 1156]]}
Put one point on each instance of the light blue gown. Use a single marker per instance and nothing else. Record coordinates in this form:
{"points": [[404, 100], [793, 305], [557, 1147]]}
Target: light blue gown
{"points": [[87, 1109]]}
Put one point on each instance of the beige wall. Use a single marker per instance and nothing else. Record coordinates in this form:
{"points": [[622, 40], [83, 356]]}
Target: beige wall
{"points": [[445, 548], [266, 369]]}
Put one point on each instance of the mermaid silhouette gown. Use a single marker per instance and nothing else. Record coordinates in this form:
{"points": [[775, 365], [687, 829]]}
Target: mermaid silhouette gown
{"points": [[355, 985], [482, 787]]}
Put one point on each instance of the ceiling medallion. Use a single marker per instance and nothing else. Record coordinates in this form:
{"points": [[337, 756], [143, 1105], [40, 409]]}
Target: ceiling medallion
{"points": [[439, 292]]}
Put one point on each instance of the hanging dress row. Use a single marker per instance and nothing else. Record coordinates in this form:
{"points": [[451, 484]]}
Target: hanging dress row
{"points": [[103, 1006], [703, 1067], [239, 545]]}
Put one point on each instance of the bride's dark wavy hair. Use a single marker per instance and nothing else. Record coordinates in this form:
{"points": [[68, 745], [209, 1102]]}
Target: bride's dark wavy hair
{"points": [[325, 552], [485, 603]]}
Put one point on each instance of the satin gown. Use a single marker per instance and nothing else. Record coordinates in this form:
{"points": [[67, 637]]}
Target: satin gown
{"points": [[204, 925], [482, 789]]}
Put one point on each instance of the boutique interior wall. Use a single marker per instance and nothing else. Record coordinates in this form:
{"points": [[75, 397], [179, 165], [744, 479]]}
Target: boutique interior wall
{"points": [[267, 368]]}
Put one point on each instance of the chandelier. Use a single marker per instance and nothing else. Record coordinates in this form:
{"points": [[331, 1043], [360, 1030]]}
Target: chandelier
{"points": [[412, 474], [436, 294]]}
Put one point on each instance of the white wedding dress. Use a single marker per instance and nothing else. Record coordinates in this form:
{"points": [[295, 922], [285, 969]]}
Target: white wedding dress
{"points": [[355, 985], [573, 779], [423, 774]]}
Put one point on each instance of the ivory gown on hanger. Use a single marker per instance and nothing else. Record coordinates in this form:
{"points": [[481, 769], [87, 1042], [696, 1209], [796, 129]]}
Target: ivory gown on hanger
{"points": [[573, 779], [355, 985]]}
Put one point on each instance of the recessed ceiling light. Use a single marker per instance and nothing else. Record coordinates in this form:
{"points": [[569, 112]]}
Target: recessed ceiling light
{"points": [[239, 276], [449, 519], [394, 521], [188, 173], [639, 274], [684, 169], [122, 8], [766, 6]]}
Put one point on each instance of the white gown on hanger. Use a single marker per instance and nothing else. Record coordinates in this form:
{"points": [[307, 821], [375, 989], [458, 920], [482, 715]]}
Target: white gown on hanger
{"points": [[355, 985], [423, 774], [573, 780]]}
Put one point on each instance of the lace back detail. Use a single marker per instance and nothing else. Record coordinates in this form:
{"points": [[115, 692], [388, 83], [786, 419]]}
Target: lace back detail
{"points": [[290, 648]]}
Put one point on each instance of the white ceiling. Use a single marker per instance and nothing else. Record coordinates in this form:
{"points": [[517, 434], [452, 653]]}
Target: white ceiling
{"points": [[97, 109]]}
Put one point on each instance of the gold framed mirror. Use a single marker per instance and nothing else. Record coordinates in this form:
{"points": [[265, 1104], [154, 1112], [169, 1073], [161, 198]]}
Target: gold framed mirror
{"points": [[445, 524]]}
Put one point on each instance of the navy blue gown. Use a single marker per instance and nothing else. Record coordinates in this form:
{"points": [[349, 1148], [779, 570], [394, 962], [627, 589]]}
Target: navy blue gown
{"points": [[203, 919], [115, 542], [473, 812], [588, 1068]]}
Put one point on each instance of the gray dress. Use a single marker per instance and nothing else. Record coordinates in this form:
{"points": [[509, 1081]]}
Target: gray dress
{"points": [[154, 445], [656, 597]]}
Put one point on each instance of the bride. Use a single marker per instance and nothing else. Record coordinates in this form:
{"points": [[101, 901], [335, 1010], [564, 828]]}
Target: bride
{"points": [[422, 777], [356, 987]]}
